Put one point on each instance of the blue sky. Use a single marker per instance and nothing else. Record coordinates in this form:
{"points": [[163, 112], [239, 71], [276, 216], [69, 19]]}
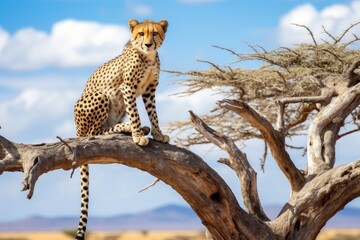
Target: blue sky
{"points": [[48, 49]]}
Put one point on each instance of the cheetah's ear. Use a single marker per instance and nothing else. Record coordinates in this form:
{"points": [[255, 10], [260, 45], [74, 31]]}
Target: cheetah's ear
{"points": [[132, 24], [164, 24]]}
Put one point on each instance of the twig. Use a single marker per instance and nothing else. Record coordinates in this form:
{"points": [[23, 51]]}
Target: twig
{"points": [[282, 77], [262, 57], [294, 147], [333, 54], [150, 185], [74, 153], [356, 38], [228, 50], [212, 64], [262, 48], [65, 143], [329, 34], [348, 133], [308, 29], [263, 159], [346, 31], [290, 50]]}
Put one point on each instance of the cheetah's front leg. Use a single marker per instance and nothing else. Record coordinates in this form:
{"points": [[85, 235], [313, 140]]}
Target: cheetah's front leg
{"points": [[150, 105], [133, 114]]}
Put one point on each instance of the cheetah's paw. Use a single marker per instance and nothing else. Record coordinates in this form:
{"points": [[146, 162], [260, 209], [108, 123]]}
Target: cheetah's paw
{"points": [[145, 130], [140, 140], [158, 136]]}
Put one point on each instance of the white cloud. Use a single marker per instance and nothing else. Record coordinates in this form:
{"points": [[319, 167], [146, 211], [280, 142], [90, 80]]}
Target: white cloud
{"points": [[175, 108], [67, 128], [35, 109], [335, 18], [4, 37], [142, 10], [138, 9], [70, 43], [198, 1]]}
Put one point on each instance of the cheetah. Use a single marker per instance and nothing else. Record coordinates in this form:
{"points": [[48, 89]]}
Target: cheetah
{"points": [[111, 92]]}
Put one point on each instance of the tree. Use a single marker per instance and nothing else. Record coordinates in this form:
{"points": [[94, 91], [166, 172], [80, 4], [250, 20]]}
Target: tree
{"points": [[311, 88]]}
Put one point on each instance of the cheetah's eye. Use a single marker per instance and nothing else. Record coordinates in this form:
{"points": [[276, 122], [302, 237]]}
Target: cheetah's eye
{"points": [[141, 33], [155, 33]]}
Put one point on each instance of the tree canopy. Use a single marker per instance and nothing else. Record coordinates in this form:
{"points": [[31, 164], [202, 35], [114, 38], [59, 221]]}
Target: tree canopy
{"points": [[300, 77]]}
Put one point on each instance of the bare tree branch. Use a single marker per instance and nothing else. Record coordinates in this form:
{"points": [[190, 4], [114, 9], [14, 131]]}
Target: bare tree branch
{"points": [[212, 64], [332, 54], [228, 50], [310, 99], [309, 31], [331, 115], [348, 133], [302, 116], [150, 185], [345, 32], [329, 34], [356, 38], [274, 139], [263, 158], [239, 163]]}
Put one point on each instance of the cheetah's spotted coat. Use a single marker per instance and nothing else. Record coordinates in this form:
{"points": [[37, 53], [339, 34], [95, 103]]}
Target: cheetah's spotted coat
{"points": [[111, 92]]}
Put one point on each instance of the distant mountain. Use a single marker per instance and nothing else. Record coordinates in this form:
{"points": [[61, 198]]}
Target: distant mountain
{"points": [[170, 217]]}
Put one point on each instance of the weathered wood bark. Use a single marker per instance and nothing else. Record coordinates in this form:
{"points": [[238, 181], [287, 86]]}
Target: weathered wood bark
{"points": [[324, 129], [275, 139], [239, 163], [189, 175]]}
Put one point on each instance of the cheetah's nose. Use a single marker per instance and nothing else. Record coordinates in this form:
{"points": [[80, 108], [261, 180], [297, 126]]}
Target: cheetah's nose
{"points": [[148, 44]]}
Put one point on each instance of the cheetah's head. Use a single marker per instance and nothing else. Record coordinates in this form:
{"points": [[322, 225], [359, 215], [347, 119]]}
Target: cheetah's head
{"points": [[147, 35]]}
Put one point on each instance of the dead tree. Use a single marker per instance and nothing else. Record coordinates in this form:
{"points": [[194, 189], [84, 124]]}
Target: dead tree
{"points": [[312, 88]]}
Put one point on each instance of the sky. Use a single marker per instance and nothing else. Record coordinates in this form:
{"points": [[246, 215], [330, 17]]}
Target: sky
{"points": [[49, 48]]}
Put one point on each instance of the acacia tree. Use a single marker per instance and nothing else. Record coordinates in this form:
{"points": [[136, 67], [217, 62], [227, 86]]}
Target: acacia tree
{"points": [[312, 88]]}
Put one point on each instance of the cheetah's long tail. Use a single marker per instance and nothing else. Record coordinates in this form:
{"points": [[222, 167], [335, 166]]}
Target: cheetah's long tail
{"points": [[84, 173]]}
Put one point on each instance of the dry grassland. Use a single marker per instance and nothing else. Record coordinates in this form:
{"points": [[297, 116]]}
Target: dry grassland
{"points": [[140, 235], [345, 234]]}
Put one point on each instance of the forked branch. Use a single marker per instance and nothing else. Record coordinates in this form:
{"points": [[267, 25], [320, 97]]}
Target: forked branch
{"points": [[274, 139], [238, 162], [328, 121]]}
